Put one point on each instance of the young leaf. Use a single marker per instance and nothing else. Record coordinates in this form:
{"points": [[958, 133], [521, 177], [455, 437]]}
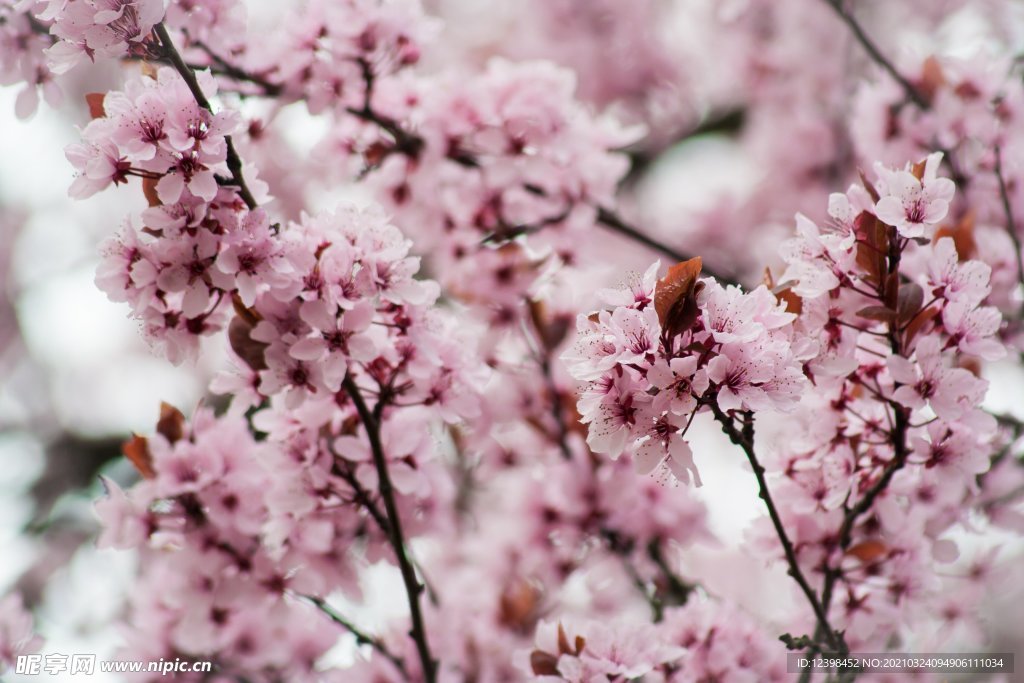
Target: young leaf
{"points": [[675, 297], [171, 423], [95, 102], [543, 663], [136, 449]]}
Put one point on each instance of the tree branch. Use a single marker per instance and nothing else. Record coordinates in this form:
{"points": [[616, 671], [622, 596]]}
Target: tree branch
{"points": [[615, 223], [744, 439], [913, 94], [362, 638], [1011, 225], [189, 76], [405, 141], [413, 588]]}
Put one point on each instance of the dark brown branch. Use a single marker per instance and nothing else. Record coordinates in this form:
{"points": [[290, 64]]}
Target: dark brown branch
{"points": [[615, 223], [744, 439], [234, 162], [362, 496], [913, 94], [223, 67], [362, 638], [724, 122], [542, 352], [900, 425], [413, 588]]}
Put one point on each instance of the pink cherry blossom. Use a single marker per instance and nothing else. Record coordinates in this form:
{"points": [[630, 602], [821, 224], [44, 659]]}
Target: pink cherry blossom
{"points": [[950, 392], [914, 206]]}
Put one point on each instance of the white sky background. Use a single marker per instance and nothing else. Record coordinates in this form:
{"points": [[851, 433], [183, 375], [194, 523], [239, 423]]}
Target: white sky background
{"points": [[102, 378]]}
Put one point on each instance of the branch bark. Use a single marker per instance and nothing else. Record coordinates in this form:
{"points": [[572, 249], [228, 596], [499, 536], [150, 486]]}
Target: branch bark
{"points": [[913, 94], [234, 162], [362, 638], [413, 588], [744, 439]]}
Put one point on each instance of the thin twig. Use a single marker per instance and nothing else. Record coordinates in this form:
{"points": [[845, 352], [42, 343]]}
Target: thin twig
{"points": [[1011, 225], [234, 162], [362, 638], [413, 588], [744, 440], [616, 223], [225, 68], [913, 94]]}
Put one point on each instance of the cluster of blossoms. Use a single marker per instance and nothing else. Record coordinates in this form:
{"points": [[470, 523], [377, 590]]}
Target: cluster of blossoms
{"points": [[673, 346], [97, 29], [211, 586], [156, 130], [23, 59], [704, 640], [176, 265], [502, 171], [254, 524], [892, 438], [331, 53], [868, 344], [969, 108]]}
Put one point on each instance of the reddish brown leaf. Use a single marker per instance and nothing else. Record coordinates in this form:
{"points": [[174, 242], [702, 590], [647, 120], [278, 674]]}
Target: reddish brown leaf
{"points": [[963, 236], [881, 314], [95, 102], [171, 423], [918, 322], [551, 332], [149, 190], [971, 365], [242, 343], [543, 663], [871, 248], [868, 186], [966, 90], [675, 297], [868, 551], [909, 301], [563, 641], [891, 293], [518, 605], [677, 284], [247, 314], [136, 449], [794, 304], [932, 79]]}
